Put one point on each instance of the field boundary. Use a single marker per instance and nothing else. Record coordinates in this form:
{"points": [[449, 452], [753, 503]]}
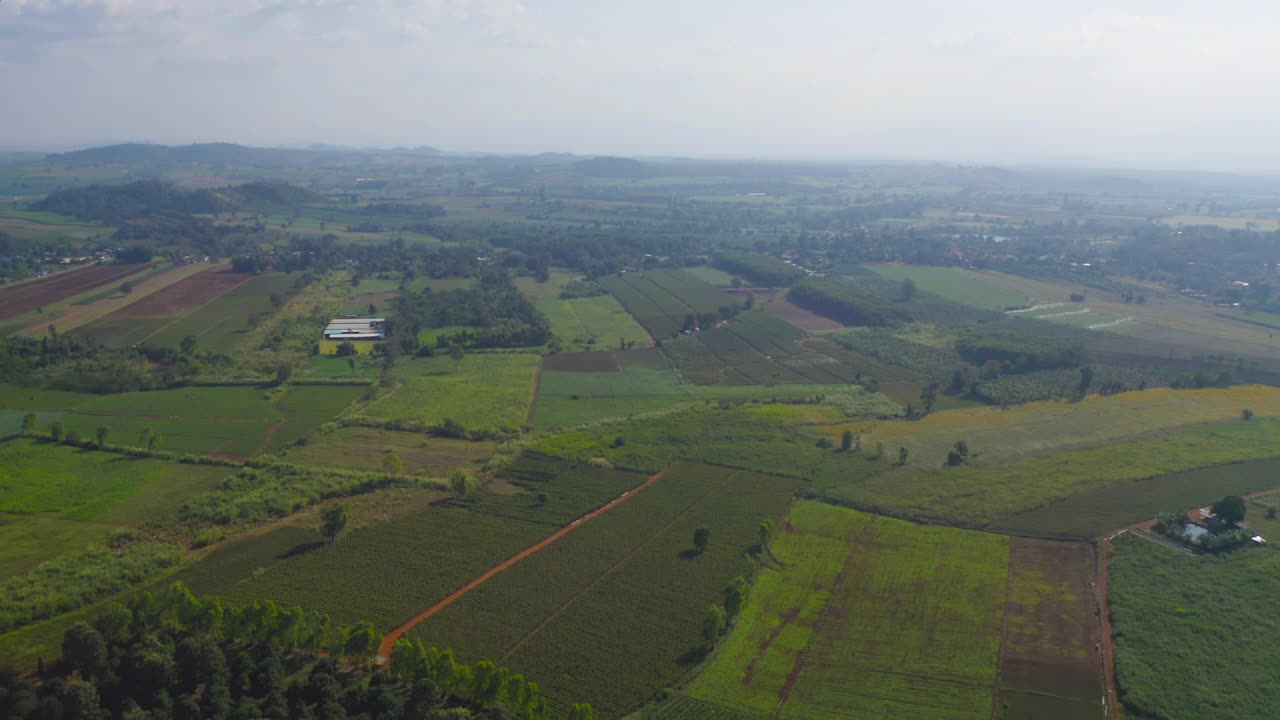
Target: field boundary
{"points": [[389, 640], [533, 399]]}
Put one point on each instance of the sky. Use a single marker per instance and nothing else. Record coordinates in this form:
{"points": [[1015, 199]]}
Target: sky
{"points": [[1124, 82]]}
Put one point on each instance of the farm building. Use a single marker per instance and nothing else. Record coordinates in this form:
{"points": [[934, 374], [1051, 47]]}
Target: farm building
{"points": [[356, 329]]}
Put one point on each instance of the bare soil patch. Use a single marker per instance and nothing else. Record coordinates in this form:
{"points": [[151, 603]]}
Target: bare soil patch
{"points": [[25, 297], [1051, 664], [774, 301], [193, 292]]}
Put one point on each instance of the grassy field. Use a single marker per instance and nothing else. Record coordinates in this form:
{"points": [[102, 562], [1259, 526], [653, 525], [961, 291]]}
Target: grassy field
{"points": [[661, 300], [612, 613], [360, 448], [326, 367], [956, 284], [305, 408], [1193, 633], [583, 323], [223, 323], [865, 617], [29, 540], [485, 391], [709, 275]]}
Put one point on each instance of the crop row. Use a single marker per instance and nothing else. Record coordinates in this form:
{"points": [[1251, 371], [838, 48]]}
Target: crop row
{"points": [[612, 612]]}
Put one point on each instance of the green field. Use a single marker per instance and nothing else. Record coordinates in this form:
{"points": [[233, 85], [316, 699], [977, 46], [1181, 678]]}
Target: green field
{"points": [[612, 613], [223, 323], [583, 323], [709, 275], [327, 367], [361, 448], [1097, 513], [389, 572], [1193, 633], [865, 616], [305, 408], [485, 391], [956, 284]]}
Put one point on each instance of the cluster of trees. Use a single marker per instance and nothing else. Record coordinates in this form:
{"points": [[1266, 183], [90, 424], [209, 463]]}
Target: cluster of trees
{"points": [[500, 315], [847, 303], [1017, 352], [1223, 530], [182, 658], [83, 365], [759, 269]]}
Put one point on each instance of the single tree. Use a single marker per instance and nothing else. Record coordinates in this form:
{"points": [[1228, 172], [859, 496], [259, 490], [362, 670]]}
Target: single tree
{"points": [[55, 431], [879, 450], [1230, 510], [277, 300], [846, 441], [735, 596], [457, 353], [908, 288], [735, 281], [462, 483], [1246, 414], [144, 438], [902, 455], [701, 539], [346, 349], [351, 363], [334, 520], [714, 624], [929, 397], [153, 442], [28, 423], [188, 345], [1086, 379], [766, 534], [84, 649], [101, 435], [391, 464], [373, 309], [126, 287], [283, 372], [959, 454]]}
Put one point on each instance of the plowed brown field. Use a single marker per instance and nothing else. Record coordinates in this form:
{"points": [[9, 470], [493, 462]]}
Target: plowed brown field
{"points": [[25, 297], [193, 292]]}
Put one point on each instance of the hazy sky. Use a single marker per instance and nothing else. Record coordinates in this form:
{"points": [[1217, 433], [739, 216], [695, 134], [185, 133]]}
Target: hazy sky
{"points": [[1160, 82]]}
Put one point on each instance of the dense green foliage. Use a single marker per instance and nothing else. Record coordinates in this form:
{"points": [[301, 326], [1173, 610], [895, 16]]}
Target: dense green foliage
{"points": [[1225, 603], [759, 269], [1018, 353], [846, 302], [77, 579], [496, 314]]}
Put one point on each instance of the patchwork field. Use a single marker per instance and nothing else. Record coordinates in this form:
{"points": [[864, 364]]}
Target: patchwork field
{"points": [[662, 300], [79, 310], [220, 325], [865, 616], [1225, 604], [135, 322], [956, 284], [424, 555], [774, 302], [26, 296], [360, 448], [612, 612], [580, 323], [484, 391]]}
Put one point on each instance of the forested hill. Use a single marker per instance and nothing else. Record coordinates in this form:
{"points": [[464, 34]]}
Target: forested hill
{"points": [[204, 154], [115, 203]]}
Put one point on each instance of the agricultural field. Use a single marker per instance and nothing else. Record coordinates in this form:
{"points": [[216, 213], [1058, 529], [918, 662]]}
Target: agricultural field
{"points": [[233, 421], [23, 297], [1225, 604], [966, 287], [327, 367], [865, 615], [618, 610], [709, 275], [76, 311], [135, 322], [583, 323], [662, 300], [220, 325], [427, 554], [1051, 664], [483, 391], [754, 348], [1096, 513], [775, 303], [56, 499], [361, 448]]}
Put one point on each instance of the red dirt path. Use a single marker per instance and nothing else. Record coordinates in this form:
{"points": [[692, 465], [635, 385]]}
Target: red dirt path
{"points": [[389, 640]]}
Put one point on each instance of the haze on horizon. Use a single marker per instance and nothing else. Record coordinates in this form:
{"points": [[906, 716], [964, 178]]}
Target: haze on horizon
{"points": [[1169, 83]]}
